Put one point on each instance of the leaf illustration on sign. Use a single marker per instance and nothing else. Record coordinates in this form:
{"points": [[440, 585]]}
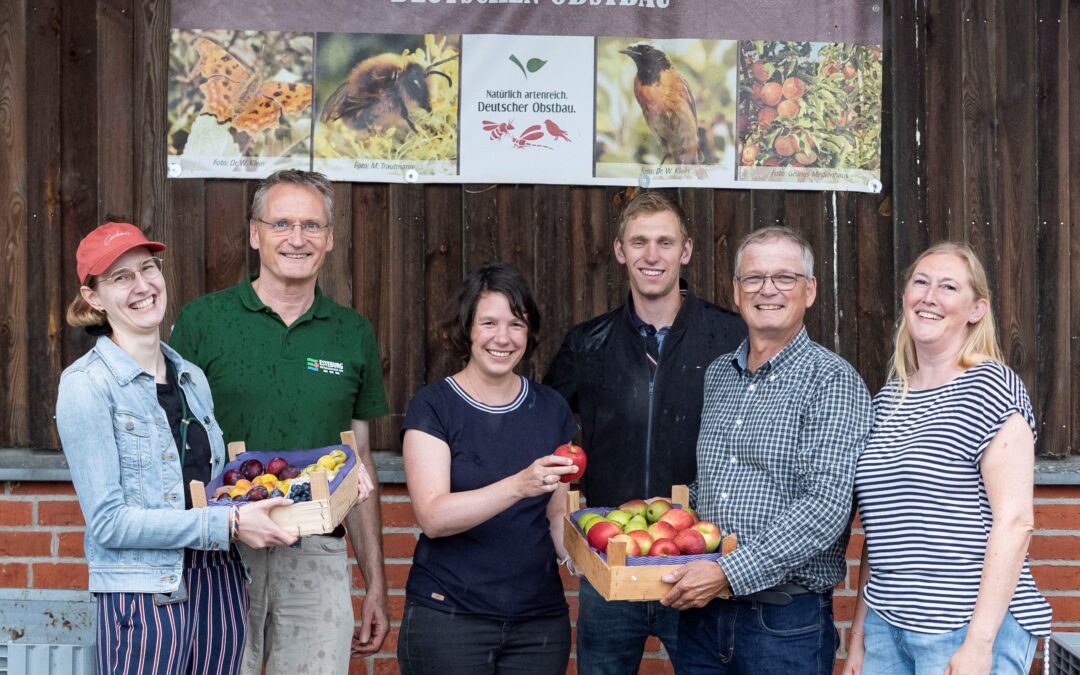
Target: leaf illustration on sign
{"points": [[531, 66]]}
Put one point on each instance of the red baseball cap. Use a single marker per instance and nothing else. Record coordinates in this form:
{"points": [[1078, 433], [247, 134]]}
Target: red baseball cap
{"points": [[99, 250]]}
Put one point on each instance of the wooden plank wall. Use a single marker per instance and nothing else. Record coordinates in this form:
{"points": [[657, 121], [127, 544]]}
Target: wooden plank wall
{"points": [[979, 145]]}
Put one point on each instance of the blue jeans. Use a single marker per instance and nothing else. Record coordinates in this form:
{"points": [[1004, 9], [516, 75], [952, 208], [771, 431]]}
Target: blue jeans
{"points": [[611, 635], [441, 643], [741, 637], [895, 651]]}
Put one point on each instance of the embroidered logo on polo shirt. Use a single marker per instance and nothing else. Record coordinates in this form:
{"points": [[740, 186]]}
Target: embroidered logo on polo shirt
{"points": [[324, 366]]}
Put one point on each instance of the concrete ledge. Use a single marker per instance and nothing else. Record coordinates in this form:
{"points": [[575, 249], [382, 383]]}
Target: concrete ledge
{"points": [[37, 465]]}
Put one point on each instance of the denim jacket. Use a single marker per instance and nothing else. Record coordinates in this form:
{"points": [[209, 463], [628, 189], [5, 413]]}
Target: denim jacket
{"points": [[126, 470]]}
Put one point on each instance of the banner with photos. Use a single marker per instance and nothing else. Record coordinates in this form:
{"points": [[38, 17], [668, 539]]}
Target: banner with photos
{"points": [[657, 93]]}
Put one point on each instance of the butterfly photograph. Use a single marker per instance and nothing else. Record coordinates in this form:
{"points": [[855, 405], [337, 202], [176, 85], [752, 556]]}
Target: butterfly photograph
{"points": [[240, 94]]}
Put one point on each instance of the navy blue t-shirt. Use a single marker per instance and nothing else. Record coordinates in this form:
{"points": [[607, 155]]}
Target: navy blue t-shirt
{"points": [[504, 568]]}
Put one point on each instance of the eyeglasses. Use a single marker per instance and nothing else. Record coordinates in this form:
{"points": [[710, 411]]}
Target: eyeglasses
{"points": [[310, 228], [124, 278], [752, 283]]}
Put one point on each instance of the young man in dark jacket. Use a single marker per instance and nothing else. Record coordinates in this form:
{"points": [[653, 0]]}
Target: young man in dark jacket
{"points": [[635, 377]]}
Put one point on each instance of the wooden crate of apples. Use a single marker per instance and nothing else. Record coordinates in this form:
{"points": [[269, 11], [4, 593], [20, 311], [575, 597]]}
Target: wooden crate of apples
{"points": [[321, 482], [625, 551]]}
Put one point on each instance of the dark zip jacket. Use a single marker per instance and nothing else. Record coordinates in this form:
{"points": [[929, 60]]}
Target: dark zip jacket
{"points": [[639, 430]]}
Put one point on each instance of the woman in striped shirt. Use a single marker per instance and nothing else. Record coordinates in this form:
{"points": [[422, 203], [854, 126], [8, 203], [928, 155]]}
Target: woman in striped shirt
{"points": [[944, 488]]}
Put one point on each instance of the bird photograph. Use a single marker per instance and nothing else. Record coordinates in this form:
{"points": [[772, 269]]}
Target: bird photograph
{"points": [[387, 96], [663, 103]]}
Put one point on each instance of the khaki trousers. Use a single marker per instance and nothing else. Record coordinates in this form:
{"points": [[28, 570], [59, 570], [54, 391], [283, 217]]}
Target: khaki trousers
{"points": [[301, 616]]}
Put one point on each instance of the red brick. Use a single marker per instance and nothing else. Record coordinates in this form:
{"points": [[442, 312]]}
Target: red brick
{"points": [[64, 512], [655, 666], [22, 544], [390, 646], [1066, 608], [385, 666], [71, 545], [652, 644], [395, 489], [398, 514], [854, 547], [396, 607], [358, 667], [399, 544], [60, 575], [1057, 492], [396, 576], [1052, 577], [1050, 547], [13, 575], [1057, 516], [843, 607], [42, 489], [16, 512]]}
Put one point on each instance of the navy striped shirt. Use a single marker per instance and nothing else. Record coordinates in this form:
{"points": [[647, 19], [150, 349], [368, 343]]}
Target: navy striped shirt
{"points": [[923, 502]]}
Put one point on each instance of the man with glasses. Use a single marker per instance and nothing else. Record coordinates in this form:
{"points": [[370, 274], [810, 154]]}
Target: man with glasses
{"points": [[634, 376], [783, 423], [290, 369]]}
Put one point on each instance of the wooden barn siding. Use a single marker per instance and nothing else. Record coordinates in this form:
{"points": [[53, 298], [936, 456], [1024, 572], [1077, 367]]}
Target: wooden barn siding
{"points": [[978, 146]]}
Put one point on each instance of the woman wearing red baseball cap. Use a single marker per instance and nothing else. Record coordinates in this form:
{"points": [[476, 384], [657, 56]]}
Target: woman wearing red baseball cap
{"points": [[136, 422]]}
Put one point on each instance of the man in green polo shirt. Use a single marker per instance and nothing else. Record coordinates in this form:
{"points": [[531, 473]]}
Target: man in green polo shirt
{"points": [[290, 369]]}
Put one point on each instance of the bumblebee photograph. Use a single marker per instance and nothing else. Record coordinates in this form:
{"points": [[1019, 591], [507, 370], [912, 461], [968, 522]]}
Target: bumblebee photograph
{"points": [[391, 97], [663, 103], [240, 94]]}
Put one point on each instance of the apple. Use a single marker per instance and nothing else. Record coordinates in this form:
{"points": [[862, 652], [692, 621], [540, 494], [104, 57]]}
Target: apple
{"points": [[692, 512], [600, 532], [586, 518], [678, 519], [661, 530], [575, 453], [251, 468], [711, 533], [632, 547], [644, 541], [635, 507], [690, 541], [664, 548], [620, 517], [657, 509], [589, 525], [636, 523], [277, 465], [230, 477]]}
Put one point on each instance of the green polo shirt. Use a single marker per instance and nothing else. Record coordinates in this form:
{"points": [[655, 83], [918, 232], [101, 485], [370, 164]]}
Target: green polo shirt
{"points": [[279, 387]]}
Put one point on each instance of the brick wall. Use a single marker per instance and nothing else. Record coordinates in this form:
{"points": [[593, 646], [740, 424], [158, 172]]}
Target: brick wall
{"points": [[41, 547]]}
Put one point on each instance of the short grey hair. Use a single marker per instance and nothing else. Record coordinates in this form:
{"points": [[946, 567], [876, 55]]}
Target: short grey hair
{"points": [[774, 233], [309, 179]]}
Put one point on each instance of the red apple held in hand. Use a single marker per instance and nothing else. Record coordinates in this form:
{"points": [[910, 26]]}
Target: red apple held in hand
{"points": [[632, 547], [661, 530], [678, 519], [644, 541], [690, 542], [575, 453], [657, 509], [635, 507], [664, 548], [230, 477], [277, 465], [711, 533], [600, 532]]}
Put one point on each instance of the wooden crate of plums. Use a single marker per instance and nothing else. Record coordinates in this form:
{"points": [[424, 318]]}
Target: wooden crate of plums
{"points": [[322, 482]]}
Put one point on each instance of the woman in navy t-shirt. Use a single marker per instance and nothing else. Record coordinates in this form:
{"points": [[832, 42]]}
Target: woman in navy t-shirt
{"points": [[484, 593]]}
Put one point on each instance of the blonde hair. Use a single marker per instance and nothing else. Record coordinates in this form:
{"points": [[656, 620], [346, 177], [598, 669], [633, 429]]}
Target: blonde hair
{"points": [[81, 315], [981, 342]]}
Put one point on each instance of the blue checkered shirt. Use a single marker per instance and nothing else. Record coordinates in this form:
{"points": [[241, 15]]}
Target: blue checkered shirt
{"points": [[776, 461]]}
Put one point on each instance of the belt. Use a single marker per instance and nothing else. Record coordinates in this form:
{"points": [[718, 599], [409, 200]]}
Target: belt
{"points": [[780, 594]]}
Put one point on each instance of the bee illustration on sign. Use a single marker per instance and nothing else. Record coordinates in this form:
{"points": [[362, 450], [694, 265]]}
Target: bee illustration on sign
{"points": [[387, 96]]}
